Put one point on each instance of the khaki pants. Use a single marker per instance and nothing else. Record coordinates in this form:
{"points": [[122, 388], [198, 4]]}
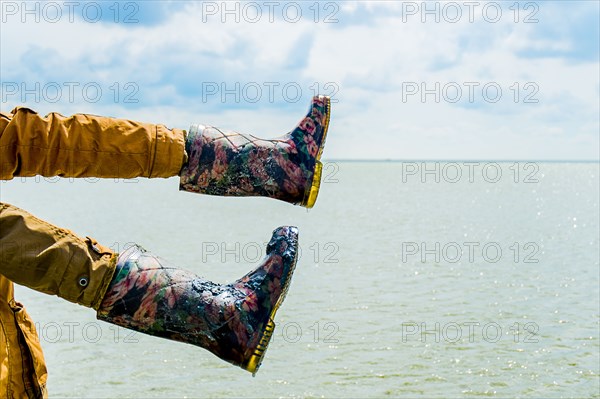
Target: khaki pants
{"points": [[22, 367], [50, 259]]}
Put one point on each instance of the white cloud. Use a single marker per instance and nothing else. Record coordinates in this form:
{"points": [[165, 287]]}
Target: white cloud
{"points": [[371, 55]]}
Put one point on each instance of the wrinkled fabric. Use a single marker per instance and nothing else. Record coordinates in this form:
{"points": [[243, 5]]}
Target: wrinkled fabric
{"points": [[23, 371], [46, 258], [148, 295], [236, 164], [53, 260], [85, 145]]}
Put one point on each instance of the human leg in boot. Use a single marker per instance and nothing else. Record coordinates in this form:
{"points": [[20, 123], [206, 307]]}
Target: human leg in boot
{"points": [[233, 321], [236, 164], [207, 159], [138, 291]]}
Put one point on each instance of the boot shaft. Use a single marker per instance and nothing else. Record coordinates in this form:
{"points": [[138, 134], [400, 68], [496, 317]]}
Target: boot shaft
{"points": [[236, 164], [233, 321]]}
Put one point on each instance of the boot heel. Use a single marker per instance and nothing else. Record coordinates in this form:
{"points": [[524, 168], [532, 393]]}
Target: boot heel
{"points": [[313, 192], [259, 353], [310, 196]]}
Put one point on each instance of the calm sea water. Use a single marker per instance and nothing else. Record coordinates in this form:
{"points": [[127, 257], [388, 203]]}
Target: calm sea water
{"points": [[477, 284]]}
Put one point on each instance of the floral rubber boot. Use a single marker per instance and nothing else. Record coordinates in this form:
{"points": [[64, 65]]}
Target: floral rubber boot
{"points": [[233, 321], [235, 164]]}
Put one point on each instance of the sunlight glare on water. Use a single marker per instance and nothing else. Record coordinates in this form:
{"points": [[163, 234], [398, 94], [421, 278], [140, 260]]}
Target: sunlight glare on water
{"points": [[406, 286]]}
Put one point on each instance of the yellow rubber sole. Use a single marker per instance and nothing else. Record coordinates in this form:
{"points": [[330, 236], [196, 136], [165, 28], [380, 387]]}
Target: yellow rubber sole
{"points": [[310, 196], [259, 353], [255, 360]]}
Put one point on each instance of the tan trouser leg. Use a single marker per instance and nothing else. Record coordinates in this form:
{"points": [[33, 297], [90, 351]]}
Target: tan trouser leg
{"points": [[47, 258], [23, 371], [83, 145], [53, 260]]}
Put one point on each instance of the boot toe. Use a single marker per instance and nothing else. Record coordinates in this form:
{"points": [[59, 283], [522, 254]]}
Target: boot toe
{"points": [[274, 286]]}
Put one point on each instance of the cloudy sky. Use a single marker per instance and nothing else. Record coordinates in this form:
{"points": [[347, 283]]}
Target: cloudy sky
{"points": [[440, 80]]}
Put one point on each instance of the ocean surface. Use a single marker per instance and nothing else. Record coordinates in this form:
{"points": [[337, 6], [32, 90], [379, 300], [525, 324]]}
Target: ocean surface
{"points": [[415, 280]]}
